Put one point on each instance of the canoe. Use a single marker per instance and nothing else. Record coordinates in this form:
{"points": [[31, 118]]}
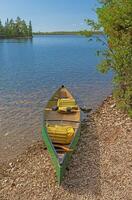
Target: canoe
{"points": [[61, 129]]}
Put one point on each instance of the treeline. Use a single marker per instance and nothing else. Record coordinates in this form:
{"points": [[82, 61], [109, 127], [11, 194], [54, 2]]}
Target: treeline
{"points": [[58, 33], [15, 28], [65, 33]]}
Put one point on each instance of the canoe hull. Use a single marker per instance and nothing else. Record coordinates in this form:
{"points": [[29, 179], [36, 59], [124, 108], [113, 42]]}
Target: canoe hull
{"points": [[59, 168], [53, 117]]}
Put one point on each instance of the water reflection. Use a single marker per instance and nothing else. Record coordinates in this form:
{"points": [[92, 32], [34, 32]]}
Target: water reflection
{"points": [[16, 40]]}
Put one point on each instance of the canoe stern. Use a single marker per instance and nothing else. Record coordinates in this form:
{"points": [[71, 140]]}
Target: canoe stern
{"points": [[60, 168]]}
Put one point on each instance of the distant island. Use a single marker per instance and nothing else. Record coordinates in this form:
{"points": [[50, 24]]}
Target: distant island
{"points": [[65, 33], [15, 29]]}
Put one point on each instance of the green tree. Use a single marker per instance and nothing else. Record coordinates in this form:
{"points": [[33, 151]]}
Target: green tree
{"points": [[115, 19], [11, 28], [30, 28], [17, 28], [1, 29], [6, 28], [24, 30]]}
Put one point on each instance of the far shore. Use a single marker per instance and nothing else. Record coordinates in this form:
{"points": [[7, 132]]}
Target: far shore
{"points": [[51, 33], [58, 33], [63, 33], [15, 37]]}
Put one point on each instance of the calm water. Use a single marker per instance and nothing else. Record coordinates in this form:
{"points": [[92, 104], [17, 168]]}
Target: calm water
{"points": [[30, 71]]}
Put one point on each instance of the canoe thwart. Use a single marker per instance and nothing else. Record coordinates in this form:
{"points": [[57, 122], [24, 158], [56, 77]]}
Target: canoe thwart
{"points": [[66, 149]]}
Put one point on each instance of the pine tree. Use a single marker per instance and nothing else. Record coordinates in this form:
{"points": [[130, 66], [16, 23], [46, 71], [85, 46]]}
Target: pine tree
{"points": [[24, 28], [1, 29], [6, 28], [17, 28], [30, 28]]}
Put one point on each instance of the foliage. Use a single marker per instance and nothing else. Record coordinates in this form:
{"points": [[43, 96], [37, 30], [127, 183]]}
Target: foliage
{"points": [[17, 28], [115, 19]]}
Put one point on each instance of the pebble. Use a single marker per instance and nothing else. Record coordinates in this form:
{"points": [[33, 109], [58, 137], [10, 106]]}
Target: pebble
{"points": [[113, 105], [10, 164], [6, 134]]}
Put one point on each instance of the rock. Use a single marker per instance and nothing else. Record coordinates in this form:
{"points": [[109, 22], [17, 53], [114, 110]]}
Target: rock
{"points": [[10, 164], [6, 134], [5, 181], [113, 105]]}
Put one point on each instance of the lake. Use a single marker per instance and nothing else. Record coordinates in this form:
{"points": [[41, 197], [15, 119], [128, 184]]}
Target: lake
{"points": [[30, 71]]}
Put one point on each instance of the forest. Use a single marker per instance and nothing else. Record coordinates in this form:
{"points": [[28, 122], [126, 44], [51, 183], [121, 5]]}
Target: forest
{"points": [[15, 29]]}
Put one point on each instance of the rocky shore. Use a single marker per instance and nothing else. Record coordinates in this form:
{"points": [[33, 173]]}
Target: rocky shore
{"points": [[100, 168]]}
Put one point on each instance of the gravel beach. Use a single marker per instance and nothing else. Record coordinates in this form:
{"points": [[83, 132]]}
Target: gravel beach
{"points": [[100, 169]]}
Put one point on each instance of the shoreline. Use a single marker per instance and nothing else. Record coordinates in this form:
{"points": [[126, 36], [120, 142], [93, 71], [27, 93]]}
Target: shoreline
{"points": [[4, 37], [99, 168], [59, 33]]}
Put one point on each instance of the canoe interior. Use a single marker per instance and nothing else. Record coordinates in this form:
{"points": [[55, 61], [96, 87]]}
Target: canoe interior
{"points": [[60, 168], [54, 117]]}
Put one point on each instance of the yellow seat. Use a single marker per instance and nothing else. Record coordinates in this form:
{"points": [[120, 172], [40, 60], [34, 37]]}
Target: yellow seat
{"points": [[61, 134], [66, 104]]}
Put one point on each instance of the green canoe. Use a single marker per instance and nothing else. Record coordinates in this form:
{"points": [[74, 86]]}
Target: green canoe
{"points": [[61, 153]]}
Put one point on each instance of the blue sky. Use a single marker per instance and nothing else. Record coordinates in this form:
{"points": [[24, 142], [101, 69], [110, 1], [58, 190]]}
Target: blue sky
{"points": [[50, 15]]}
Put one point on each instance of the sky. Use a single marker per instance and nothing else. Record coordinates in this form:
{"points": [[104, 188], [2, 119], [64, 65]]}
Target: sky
{"points": [[50, 15]]}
